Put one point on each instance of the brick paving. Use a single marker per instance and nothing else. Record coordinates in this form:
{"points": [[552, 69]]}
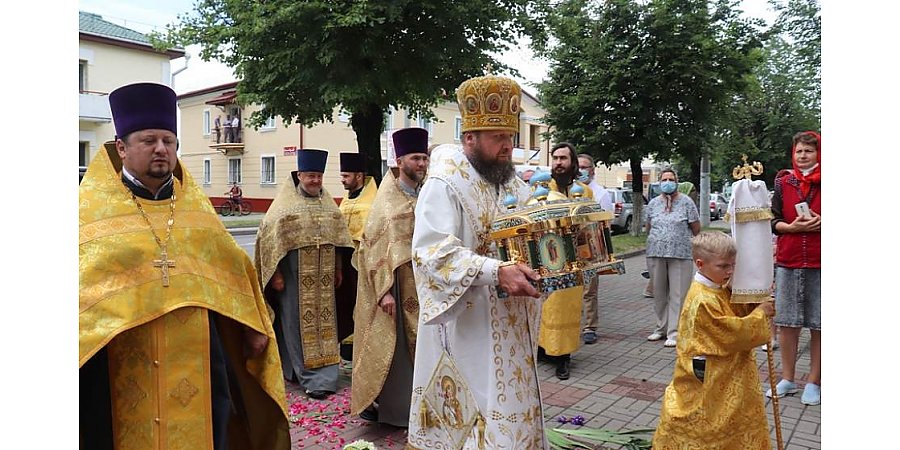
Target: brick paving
{"points": [[616, 383]]}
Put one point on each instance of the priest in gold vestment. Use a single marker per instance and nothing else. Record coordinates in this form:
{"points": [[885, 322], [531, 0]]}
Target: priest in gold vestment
{"points": [[297, 258], [355, 207], [176, 347], [715, 400], [561, 314], [387, 308]]}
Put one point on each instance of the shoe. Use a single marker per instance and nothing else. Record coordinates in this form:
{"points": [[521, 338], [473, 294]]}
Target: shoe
{"points": [[655, 337], [812, 395], [670, 343], [765, 347], [647, 295], [319, 395], [562, 370], [589, 337], [784, 387], [369, 414]]}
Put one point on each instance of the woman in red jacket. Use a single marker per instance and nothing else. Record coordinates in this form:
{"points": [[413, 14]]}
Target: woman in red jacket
{"points": [[798, 280]]}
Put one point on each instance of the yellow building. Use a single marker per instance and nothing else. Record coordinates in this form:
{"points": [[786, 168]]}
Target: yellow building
{"points": [[110, 56], [262, 159]]}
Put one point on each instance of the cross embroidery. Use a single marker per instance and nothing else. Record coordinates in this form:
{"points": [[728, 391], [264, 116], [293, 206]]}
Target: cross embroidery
{"points": [[164, 263]]}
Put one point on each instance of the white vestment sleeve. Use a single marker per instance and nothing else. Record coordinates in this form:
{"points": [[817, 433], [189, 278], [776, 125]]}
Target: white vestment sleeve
{"points": [[445, 264]]}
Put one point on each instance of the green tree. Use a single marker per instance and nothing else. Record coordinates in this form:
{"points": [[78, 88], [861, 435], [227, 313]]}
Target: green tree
{"points": [[303, 59], [782, 98], [631, 79]]}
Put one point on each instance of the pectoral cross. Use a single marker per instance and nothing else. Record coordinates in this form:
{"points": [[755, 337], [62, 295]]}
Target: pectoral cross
{"points": [[164, 263]]}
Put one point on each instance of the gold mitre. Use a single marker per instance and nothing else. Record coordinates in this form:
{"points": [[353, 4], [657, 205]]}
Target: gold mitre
{"points": [[489, 103]]}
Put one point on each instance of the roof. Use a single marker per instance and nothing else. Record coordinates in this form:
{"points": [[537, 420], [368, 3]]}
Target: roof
{"points": [[222, 87], [93, 25]]}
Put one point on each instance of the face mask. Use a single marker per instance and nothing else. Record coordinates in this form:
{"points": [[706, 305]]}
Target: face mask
{"points": [[583, 176], [668, 187]]}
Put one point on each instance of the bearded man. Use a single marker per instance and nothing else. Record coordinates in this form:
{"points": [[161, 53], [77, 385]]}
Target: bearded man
{"points": [[387, 311], [483, 344]]}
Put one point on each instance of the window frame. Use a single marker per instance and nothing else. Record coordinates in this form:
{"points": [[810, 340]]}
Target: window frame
{"points": [[270, 124], [207, 122], [262, 167], [82, 75], [207, 171], [240, 176]]}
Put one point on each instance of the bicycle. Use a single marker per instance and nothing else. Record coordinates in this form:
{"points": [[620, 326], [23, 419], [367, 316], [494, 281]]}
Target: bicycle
{"points": [[229, 207]]}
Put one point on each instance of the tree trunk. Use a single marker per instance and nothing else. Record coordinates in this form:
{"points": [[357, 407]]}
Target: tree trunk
{"points": [[637, 196], [368, 124]]}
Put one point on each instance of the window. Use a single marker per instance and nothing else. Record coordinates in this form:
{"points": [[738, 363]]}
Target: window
{"points": [[344, 117], [267, 170], [422, 122], [388, 121], [82, 75], [457, 133], [234, 170], [207, 171], [83, 153], [270, 123], [206, 122]]}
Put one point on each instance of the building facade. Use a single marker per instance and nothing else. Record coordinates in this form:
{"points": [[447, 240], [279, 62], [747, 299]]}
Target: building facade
{"points": [[110, 56], [261, 159]]}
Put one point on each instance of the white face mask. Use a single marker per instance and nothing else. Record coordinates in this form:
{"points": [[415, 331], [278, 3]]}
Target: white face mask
{"points": [[809, 171]]}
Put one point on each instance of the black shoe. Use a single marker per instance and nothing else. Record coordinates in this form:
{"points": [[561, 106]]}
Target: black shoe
{"points": [[369, 414], [319, 395], [562, 369]]}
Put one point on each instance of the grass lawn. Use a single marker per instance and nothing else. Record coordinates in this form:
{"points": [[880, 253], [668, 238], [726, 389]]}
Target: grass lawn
{"points": [[624, 243]]}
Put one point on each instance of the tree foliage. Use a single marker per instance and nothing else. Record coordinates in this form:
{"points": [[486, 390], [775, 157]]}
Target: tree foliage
{"points": [[302, 59], [632, 79], [782, 98]]}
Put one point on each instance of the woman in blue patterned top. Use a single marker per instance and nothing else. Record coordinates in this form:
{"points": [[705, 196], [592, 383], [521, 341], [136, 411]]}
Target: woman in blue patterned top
{"points": [[672, 220]]}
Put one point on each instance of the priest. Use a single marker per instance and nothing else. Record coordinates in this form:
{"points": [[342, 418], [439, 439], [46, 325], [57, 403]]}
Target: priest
{"points": [[176, 347], [297, 258]]}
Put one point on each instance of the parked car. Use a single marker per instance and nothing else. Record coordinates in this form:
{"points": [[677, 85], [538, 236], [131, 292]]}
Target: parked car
{"points": [[717, 206], [623, 209]]}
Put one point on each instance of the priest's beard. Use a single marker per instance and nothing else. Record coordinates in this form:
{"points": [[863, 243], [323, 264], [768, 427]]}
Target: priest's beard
{"points": [[563, 180], [494, 172]]}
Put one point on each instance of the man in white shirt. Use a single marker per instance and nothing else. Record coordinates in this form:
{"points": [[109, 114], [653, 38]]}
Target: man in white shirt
{"points": [[603, 197], [236, 129]]}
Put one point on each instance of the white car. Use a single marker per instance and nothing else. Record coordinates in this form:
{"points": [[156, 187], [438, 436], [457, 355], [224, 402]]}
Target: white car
{"points": [[717, 206]]}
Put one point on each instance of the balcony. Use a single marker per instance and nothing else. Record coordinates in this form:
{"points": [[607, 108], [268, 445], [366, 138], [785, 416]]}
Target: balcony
{"points": [[94, 107], [229, 148]]}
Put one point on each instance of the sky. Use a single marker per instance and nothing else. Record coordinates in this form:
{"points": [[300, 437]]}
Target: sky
{"points": [[146, 16]]}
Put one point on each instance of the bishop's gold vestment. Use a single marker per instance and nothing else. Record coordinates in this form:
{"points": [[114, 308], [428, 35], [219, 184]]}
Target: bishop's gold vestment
{"points": [[725, 411], [157, 337]]}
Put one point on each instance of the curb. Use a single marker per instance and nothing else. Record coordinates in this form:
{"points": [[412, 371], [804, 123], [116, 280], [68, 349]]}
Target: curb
{"points": [[630, 254], [242, 231]]}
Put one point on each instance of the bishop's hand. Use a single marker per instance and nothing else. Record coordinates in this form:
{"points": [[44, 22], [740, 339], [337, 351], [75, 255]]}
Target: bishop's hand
{"points": [[515, 280]]}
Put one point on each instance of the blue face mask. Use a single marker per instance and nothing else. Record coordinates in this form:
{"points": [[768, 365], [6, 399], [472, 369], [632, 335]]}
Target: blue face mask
{"points": [[668, 187], [583, 176]]}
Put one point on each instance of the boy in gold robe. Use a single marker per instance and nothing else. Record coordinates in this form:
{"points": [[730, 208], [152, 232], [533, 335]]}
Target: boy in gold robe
{"points": [[714, 400]]}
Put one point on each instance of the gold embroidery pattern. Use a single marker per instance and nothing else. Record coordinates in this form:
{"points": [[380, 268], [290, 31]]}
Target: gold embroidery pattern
{"points": [[318, 324], [184, 392]]}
